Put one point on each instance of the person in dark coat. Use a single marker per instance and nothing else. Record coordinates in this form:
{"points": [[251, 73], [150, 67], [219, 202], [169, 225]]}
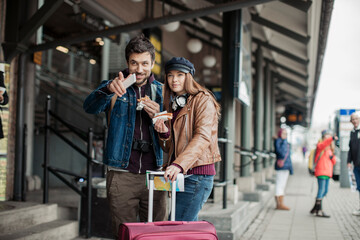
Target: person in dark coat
{"points": [[4, 99], [283, 167], [354, 152]]}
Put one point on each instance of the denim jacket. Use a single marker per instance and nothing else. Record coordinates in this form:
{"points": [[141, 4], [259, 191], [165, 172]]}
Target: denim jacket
{"points": [[282, 150], [122, 122]]}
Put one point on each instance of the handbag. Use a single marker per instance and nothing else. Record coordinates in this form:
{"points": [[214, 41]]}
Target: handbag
{"points": [[280, 162]]}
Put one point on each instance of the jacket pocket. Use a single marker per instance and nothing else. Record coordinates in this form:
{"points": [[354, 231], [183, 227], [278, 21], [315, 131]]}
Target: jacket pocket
{"points": [[121, 109]]}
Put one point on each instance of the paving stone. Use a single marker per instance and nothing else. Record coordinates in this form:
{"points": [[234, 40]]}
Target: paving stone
{"points": [[298, 223]]}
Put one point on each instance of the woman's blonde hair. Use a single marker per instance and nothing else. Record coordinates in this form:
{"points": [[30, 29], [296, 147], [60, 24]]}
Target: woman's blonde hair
{"points": [[191, 88]]}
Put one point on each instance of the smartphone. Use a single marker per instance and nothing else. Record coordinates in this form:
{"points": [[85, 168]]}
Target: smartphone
{"points": [[130, 80]]}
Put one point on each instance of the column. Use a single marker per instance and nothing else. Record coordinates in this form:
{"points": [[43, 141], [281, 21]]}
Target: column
{"points": [[105, 59], [230, 75], [259, 108], [267, 113]]}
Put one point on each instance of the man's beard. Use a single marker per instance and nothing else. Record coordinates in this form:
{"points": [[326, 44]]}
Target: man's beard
{"points": [[142, 82]]}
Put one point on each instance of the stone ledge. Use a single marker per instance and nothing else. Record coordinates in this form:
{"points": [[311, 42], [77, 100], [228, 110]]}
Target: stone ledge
{"points": [[232, 222]]}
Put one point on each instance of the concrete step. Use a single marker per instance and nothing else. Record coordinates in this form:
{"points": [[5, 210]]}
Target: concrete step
{"points": [[58, 229], [22, 215], [232, 222], [68, 213], [224, 219]]}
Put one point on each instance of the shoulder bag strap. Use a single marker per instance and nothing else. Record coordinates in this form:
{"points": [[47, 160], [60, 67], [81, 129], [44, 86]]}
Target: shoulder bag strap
{"points": [[287, 152], [320, 155], [113, 101]]}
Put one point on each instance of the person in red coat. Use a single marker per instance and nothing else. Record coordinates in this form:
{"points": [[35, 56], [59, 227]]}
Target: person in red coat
{"points": [[324, 163]]}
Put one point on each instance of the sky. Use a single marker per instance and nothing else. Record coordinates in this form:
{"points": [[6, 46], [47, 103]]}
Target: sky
{"points": [[339, 85]]}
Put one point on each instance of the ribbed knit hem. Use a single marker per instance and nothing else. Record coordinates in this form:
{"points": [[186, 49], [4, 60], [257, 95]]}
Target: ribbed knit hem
{"points": [[203, 170]]}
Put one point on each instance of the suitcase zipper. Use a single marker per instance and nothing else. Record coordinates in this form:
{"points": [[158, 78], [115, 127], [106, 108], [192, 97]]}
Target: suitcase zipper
{"points": [[183, 234]]}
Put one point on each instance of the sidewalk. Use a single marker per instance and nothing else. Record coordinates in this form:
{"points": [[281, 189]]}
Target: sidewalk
{"points": [[298, 223]]}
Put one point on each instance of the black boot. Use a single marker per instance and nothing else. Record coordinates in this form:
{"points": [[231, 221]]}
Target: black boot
{"points": [[320, 212], [316, 207]]}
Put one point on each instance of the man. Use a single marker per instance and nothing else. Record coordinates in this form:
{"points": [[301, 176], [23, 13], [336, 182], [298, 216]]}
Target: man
{"points": [[354, 151], [132, 145]]}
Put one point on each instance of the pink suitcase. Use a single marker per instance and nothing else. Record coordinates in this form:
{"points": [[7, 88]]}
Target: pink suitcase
{"points": [[169, 230]]}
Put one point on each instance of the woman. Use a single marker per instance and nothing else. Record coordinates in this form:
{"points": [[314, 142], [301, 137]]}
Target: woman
{"points": [[190, 138], [283, 167], [324, 163]]}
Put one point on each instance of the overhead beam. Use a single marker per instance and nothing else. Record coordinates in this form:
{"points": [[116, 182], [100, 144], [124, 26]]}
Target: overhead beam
{"points": [[201, 30], [291, 82], [284, 92], [301, 5], [185, 9], [291, 101], [38, 19], [325, 18], [299, 108], [12, 23], [281, 51], [292, 71], [17, 38], [280, 29], [147, 23]]}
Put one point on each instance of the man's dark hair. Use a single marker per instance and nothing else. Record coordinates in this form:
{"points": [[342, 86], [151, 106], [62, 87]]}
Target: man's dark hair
{"points": [[140, 44]]}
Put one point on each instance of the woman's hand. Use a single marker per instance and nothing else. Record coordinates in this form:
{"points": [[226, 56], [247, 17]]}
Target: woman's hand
{"points": [[171, 173], [160, 126]]}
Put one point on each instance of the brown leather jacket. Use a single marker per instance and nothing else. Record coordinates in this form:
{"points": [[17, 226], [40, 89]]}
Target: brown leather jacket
{"points": [[195, 133]]}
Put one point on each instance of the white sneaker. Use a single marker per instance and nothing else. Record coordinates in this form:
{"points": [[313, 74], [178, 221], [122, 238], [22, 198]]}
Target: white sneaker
{"points": [[356, 213]]}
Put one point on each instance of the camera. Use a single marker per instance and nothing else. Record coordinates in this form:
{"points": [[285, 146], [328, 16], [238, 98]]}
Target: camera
{"points": [[141, 145]]}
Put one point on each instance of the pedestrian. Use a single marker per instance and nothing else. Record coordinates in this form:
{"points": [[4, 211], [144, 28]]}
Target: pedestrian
{"points": [[304, 150], [283, 167], [4, 99], [354, 152], [325, 160], [132, 144], [191, 138]]}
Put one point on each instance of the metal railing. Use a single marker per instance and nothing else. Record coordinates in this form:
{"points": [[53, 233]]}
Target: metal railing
{"points": [[253, 154], [223, 182], [88, 155]]}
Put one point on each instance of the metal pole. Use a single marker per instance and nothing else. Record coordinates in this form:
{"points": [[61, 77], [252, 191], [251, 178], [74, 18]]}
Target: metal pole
{"points": [[344, 171], [19, 151], [89, 181], [46, 150], [267, 113], [259, 108], [224, 178], [151, 199], [273, 113], [230, 76], [106, 132], [23, 175]]}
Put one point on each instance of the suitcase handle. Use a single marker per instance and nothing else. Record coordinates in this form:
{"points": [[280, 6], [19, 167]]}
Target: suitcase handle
{"points": [[151, 199], [167, 223]]}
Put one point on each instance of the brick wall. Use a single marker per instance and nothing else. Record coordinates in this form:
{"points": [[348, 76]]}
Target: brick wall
{"points": [[12, 129]]}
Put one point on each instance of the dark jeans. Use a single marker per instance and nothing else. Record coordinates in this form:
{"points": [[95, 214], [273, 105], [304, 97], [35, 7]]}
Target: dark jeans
{"points": [[323, 185], [357, 177], [190, 202]]}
